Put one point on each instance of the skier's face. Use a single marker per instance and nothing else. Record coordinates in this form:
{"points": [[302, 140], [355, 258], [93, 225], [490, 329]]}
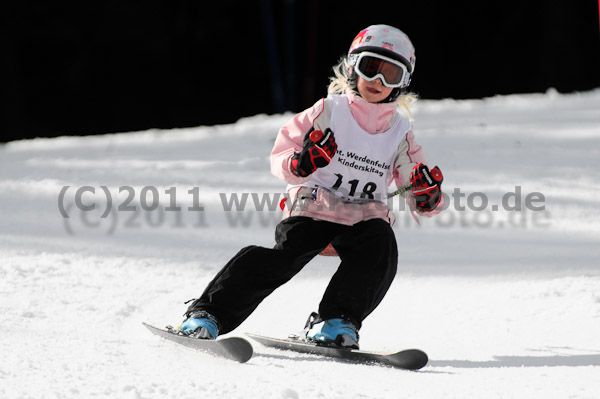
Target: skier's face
{"points": [[373, 91]]}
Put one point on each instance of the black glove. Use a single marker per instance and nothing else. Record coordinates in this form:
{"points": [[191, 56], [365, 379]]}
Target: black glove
{"points": [[426, 185], [319, 149]]}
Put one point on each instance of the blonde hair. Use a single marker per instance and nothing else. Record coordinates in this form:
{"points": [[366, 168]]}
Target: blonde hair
{"points": [[341, 82]]}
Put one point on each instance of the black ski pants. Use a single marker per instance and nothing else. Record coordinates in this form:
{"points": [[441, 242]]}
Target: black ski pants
{"points": [[368, 254]]}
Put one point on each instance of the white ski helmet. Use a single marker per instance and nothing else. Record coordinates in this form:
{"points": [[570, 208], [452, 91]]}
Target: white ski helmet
{"points": [[387, 41]]}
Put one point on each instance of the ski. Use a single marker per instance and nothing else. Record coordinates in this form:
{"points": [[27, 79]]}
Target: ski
{"points": [[408, 359], [233, 348]]}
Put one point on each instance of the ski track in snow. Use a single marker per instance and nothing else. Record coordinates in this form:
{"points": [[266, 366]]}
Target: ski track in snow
{"points": [[505, 303]]}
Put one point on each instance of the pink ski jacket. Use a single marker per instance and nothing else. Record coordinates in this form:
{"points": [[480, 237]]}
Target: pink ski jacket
{"points": [[322, 204]]}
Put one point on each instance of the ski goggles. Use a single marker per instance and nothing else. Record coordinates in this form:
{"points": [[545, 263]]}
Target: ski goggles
{"points": [[371, 66]]}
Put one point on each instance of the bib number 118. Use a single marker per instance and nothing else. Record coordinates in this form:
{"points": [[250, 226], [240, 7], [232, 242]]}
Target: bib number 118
{"points": [[368, 189]]}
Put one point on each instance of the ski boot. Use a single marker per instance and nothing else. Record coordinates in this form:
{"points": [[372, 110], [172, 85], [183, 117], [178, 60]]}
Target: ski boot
{"points": [[200, 325], [332, 332]]}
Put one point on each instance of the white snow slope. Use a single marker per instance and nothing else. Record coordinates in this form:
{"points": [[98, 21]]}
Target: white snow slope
{"points": [[506, 302]]}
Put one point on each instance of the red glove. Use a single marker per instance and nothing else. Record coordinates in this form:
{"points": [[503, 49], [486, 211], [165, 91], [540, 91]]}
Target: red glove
{"points": [[426, 186], [319, 149]]}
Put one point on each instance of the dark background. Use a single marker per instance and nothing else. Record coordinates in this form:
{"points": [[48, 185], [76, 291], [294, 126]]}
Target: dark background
{"points": [[114, 66]]}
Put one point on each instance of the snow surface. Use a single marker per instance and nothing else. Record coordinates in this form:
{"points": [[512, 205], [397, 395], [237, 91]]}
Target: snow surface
{"points": [[506, 303]]}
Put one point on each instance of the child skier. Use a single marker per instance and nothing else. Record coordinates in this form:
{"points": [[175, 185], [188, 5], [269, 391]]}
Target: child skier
{"points": [[338, 158]]}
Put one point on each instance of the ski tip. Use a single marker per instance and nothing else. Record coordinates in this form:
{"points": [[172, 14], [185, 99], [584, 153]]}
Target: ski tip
{"points": [[242, 348], [232, 348], [150, 326], [414, 359]]}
